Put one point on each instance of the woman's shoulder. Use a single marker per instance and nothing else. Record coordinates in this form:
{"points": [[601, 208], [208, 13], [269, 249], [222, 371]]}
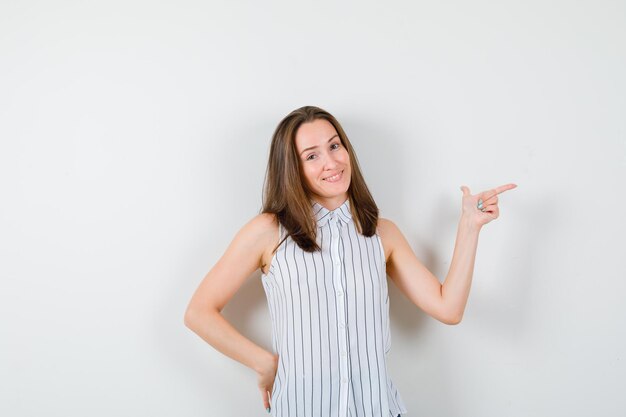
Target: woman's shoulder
{"points": [[256, 232], [385, 226], [265, 219], [263, 224], [388, 232]]}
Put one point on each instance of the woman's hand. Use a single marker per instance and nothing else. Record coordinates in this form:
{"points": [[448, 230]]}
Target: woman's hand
{"points": [[266, 379], [477, 216]]}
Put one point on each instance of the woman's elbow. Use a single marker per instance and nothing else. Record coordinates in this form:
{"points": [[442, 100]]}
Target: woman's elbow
{"points": [[453, 320], [189, 318], [195, 317], [450, 318], [192, 317]]}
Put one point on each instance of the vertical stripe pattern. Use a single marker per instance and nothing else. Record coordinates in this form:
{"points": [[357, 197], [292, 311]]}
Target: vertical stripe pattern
{"points": [[330, 323]]}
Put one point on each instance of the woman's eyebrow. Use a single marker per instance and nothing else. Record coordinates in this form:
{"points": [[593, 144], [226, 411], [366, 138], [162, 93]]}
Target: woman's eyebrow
{"points": [[313, 147]]}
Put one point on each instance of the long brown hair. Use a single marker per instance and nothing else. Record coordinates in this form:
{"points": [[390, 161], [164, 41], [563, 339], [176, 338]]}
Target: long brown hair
{"points": [[286, 194]]}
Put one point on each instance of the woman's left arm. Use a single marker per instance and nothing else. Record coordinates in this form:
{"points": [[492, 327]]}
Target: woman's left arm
{"points": [[445, 302], [478, 210]]}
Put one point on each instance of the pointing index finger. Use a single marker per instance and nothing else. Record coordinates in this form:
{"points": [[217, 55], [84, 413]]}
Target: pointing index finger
{"points": [[504, 188], [495, 191]]}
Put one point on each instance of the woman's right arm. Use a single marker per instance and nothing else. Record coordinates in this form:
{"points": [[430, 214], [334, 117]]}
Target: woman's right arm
{"points": [[203, 315]]}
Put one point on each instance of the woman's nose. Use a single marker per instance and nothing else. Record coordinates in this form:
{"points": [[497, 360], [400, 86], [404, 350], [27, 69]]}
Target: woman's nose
{"points": [[330, 162]]}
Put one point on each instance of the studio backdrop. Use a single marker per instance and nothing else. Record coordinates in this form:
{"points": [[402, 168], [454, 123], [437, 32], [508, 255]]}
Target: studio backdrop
{"points": [[134, 142]]}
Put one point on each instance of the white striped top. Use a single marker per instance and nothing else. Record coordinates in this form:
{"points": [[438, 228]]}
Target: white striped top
{"points": [[330, 323]]}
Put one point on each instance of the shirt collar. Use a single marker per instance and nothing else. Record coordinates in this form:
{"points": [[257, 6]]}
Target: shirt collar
{"points": [[323, 215]]}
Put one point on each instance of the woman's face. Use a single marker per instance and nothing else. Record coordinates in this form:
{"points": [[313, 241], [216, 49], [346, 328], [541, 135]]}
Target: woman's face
{"points": [[325, 162]]}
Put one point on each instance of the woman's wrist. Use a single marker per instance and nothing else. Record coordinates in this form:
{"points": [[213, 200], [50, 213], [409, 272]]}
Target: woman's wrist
{"points": [[263, 362], [466, 221]]}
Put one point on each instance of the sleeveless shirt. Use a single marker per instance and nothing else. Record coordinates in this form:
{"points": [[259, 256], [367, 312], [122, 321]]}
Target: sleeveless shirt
{"points": [[330, 323]]}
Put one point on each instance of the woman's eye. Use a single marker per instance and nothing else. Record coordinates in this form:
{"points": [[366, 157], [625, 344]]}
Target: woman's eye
{"points": [[334, 146]]}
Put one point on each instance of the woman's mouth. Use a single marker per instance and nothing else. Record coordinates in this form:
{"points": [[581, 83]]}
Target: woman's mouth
{"points": [[335, 177]]}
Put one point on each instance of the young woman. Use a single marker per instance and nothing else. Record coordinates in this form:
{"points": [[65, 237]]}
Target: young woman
{"points": [[325, 254]]}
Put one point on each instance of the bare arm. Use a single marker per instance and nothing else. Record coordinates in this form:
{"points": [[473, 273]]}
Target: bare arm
{"points": [[410, 275], [456, 287], [445, 302], [203, 315]]}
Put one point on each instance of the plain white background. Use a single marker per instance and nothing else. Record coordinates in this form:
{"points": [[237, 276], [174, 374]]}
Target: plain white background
{"points": [[134, 141]]}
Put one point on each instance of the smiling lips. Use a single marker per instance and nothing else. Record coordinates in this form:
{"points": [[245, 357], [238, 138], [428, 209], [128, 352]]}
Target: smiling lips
{"points": [[335, 177]]}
